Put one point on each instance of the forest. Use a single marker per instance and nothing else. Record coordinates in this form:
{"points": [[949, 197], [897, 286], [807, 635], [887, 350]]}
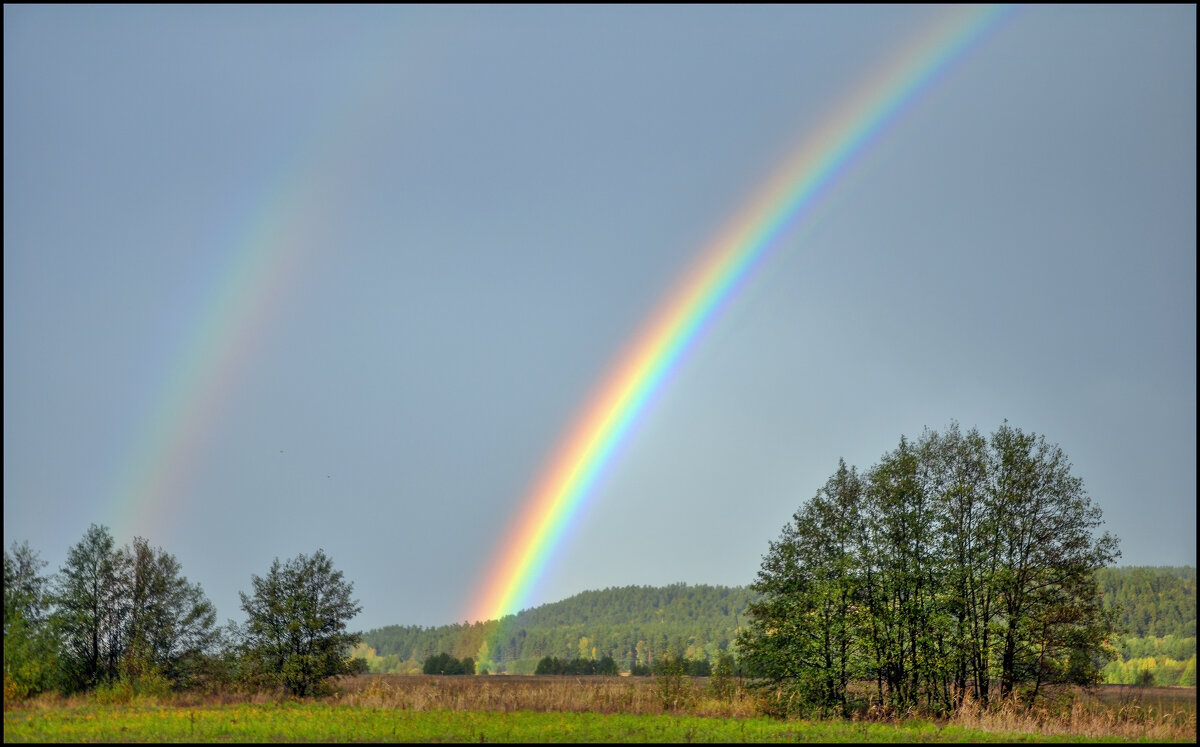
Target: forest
{"points": [[633, 625], [1156, 620], [1155, 610]]}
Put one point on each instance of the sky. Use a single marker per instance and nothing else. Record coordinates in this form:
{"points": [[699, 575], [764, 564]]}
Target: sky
{"points": [[288, 278]]}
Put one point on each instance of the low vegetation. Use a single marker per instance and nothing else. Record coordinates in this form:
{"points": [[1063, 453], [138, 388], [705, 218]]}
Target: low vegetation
{"points": [[385, 708]]}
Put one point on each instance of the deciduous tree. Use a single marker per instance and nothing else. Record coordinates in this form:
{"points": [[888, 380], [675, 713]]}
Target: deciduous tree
{"points": [[954, 561], [296, 623], [30, 644]]}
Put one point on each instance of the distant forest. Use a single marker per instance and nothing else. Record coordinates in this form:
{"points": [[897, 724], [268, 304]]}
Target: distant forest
{"points": [[1156, 612], [1155, 609], [632, 624]]}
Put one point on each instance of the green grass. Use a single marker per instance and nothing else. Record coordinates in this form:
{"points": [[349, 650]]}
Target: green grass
{"points": [[317, 722]]}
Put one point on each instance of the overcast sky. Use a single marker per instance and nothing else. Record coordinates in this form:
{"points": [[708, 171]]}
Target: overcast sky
{"points": [[371, 261]]}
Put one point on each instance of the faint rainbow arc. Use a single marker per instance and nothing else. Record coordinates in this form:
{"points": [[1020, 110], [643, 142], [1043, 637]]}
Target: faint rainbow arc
{"points": [[264, 258], [607, 416]]}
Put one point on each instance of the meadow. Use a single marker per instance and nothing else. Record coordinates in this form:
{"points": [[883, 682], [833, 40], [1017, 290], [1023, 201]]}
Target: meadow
{"points": [[570, 709]]}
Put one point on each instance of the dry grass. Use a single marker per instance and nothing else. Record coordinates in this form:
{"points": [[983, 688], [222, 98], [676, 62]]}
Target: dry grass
{"points": [[1090, 715], [504, 693], [1127, 714]]}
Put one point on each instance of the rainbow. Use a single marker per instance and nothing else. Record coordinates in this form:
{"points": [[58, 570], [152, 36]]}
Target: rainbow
{"points": [[624, 392], [249, 291], [250, 269]]}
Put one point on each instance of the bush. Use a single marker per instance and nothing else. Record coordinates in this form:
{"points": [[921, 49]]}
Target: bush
{"points": [[151, 686]]}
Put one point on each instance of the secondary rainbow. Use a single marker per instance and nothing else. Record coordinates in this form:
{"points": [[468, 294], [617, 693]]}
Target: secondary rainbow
{"points": [[643, 366], [251, 270]]}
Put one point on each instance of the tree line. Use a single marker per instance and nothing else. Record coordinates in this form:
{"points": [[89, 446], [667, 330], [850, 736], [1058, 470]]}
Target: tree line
{"points": [[127, 617], [606, 665], [699, 623], [634, 625], [956, 562]]}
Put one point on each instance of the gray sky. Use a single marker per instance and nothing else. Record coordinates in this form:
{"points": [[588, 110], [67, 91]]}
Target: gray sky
{"points": [[465, 213]]}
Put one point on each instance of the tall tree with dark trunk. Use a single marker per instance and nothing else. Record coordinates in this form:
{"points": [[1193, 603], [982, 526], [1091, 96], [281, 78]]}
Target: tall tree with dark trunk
{"points": [[1046, 586], [90, 606]]}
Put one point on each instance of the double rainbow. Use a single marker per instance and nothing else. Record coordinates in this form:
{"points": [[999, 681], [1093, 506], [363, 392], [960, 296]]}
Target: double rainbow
{"points": [[606, 418]]}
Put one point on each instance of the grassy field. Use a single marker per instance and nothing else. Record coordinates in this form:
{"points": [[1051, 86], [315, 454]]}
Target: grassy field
{"points": [[565, 709]]}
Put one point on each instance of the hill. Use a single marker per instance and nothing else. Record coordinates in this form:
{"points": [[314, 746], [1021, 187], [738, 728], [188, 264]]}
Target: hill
{"points": [[632, 624], [1154, 609]]}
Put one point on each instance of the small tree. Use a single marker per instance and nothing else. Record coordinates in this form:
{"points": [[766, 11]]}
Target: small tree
{"points": [[722, 685], [671, 685], [296, 627]]}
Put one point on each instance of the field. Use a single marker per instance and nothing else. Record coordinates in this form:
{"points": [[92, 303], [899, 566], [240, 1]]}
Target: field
{"points": [[568, 709]]}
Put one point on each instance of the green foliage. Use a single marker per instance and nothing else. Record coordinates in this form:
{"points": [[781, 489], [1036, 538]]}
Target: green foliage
{"points": [[149, 686], [1156, 608], [130, 613], [171, 624], [444, 663], [89, 607], [1159, 671], [606, 665], [722, 685], [1151, 602], [955, 561], [30, 641], [296, 633]]}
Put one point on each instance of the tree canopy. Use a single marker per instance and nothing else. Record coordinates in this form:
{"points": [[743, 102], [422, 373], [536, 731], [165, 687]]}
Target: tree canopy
{"points": [[296, 623], [954, 561], [127, 611]]}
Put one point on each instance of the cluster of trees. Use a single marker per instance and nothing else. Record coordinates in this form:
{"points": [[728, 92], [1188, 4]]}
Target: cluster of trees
{"points": [[606, 665], [956, 561], [676, 664], [635, 625], [128, 615], [111, 612], [444, 663]]}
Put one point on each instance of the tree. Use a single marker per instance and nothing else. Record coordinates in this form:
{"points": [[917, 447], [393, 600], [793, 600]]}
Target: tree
{"points": [[954, 561], [89, 600], [171, 623], [296, 623], [1047, 591], [607, 666], [802, 631], [128, 613], [30, 645]]}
